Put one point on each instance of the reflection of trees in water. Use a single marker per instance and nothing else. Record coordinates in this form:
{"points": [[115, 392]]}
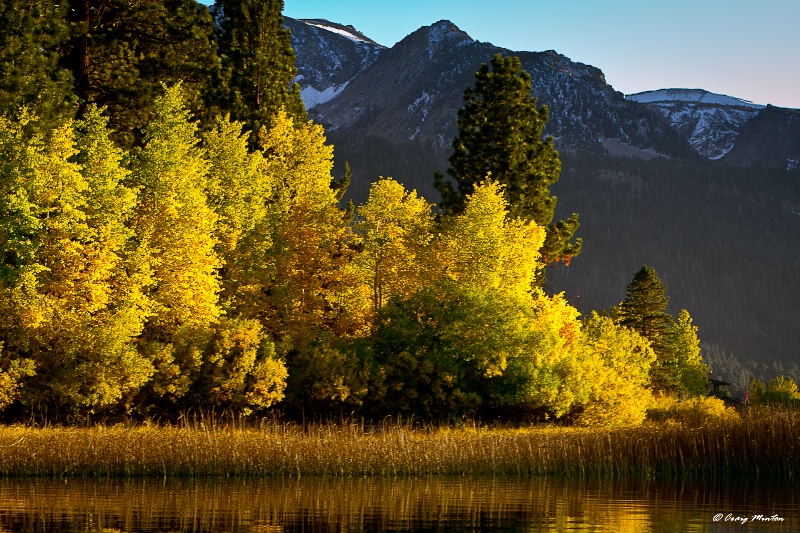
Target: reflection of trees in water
{"points": [[326, 504]]}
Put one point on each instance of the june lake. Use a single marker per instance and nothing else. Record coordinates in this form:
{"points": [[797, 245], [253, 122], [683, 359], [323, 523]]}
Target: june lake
{"points": [[379, 504]]}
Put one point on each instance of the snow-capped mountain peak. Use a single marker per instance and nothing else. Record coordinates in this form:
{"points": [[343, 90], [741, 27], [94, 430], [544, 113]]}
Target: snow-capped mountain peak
{"points": [[711, 121], [690, 96], [345, 31]]}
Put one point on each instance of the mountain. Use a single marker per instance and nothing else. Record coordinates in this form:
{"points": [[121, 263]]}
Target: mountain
{"points": [[412, 91], [703, 187], [330, 55], [771, 138], [710, 122]]}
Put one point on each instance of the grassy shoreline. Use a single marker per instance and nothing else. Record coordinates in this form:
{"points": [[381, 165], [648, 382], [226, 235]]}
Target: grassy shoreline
{"points": [[767, 444]]}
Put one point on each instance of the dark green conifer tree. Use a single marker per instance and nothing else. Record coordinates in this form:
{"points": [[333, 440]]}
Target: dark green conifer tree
{"points": [[258, 63], [30, 35], [500, 136], [645, 311], [645, 306], [120, 52]]}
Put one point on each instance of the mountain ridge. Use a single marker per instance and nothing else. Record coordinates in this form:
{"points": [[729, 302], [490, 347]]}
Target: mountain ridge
{"points": [[410, 92]]}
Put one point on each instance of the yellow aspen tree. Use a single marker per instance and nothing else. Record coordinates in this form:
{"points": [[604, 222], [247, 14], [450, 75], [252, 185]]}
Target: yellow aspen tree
{"points": [[240, 368], [236, 188], [22, 307], [393, 229], [478, 334], [616, 363], [548, 373], [176, 223], [295, 256], [77, 298], [486, 248]]}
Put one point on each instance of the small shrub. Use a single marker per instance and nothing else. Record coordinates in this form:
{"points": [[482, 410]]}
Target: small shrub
{"points": [[694, 412]]}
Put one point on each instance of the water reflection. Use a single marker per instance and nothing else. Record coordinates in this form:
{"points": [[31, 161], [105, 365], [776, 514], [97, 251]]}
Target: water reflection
{"points": [[369, 504]]}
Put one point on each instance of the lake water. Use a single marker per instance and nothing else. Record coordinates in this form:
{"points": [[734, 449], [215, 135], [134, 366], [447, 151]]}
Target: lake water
{"points": [[372, 504]]}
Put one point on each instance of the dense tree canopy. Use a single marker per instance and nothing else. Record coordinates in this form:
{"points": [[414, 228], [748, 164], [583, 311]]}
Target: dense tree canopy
{"points": [[120, 52], [30, 40]]}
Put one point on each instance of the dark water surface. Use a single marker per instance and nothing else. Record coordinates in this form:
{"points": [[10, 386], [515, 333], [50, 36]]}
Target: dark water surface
{"points": [[376, 504]]}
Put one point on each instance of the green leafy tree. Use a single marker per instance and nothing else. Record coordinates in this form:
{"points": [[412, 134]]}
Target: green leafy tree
{"points": [[238, 190], [500, 138], [30, 77], [438, 350], [782, 390], [685, 370], [755, 390], [258, 63]]}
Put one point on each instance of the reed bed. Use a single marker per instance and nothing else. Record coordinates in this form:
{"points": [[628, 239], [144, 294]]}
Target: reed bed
{"points": [[768, 444]]}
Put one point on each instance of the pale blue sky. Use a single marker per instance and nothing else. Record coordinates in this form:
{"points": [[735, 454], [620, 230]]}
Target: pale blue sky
{"points": [[746, 49]]}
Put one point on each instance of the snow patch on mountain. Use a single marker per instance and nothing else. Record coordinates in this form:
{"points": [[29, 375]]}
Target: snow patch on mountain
{"points": [[348, 32], [313, 97], [711, 122], [696, 96], [344, 33], [421, 105]]}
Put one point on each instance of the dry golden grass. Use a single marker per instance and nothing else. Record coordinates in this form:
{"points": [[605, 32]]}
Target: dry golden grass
{"points": [[766, 443]]}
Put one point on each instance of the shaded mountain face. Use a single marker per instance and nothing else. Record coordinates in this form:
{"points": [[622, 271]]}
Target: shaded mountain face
{"points": [[771, 138]]}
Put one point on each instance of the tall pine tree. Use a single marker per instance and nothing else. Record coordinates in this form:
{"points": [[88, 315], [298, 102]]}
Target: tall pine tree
{"points": [[645, 311], [258, 63], [30, 35], [119, 53], [645, 306], [500, 137]]}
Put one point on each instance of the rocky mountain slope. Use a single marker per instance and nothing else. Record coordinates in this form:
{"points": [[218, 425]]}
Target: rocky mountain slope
{"points": [[329, 56], [711, 122], [412, 91]]}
